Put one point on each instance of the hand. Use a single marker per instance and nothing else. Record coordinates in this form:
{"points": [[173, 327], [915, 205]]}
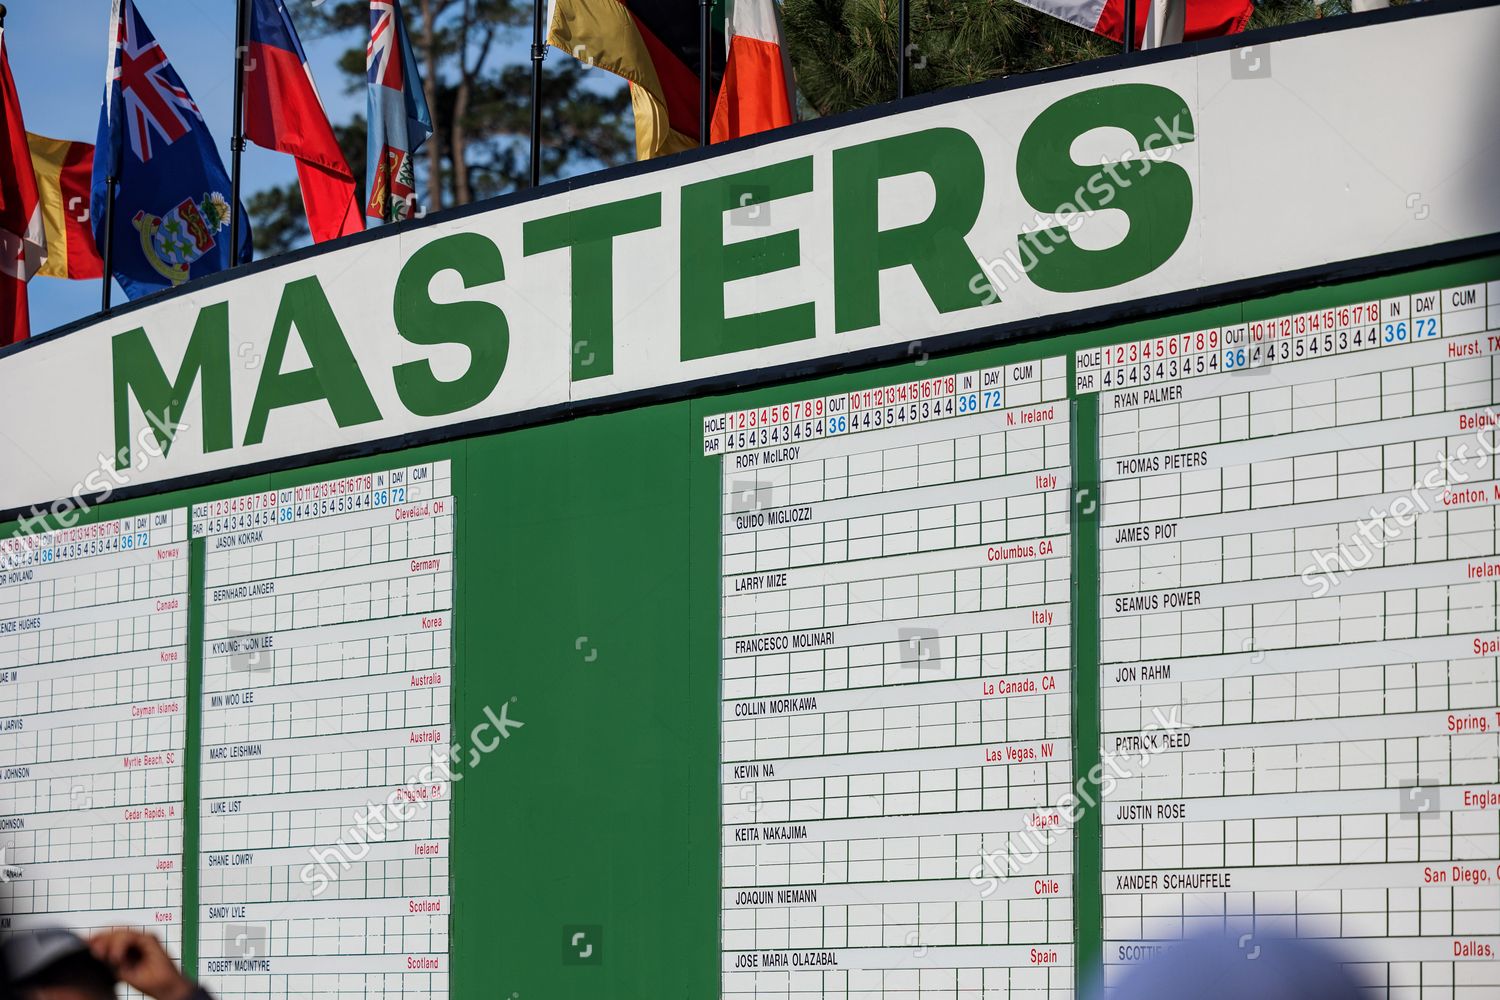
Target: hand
{"points": [[141, 962]]}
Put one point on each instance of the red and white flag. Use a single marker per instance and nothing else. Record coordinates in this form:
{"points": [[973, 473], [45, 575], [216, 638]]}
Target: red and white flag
{"points": [[756, 93], [1204, 18], [23, 236]]}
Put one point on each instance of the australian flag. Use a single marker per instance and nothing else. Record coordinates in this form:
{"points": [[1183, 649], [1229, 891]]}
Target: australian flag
{"points": [[171, 209], [399, 120]]}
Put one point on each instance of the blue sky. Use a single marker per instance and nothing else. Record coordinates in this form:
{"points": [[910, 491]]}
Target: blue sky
{"points": [[57, 51]]}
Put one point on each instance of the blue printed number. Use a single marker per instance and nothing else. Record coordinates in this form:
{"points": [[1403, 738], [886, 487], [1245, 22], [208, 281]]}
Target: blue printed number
{"points": [[1395, 333]]}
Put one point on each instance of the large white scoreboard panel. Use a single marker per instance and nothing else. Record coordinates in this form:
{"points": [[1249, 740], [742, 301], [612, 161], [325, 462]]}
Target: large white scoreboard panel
{"points": [[93, 675], [1298, 547], [896, 692], [325, 796]]}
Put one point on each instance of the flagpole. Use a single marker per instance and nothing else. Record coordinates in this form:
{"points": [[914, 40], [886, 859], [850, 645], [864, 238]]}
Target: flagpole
{"points": [[237, 139], [538, 53], [108, 250], [109, 234], [903, 39], [1129, 34], [705, 67]]}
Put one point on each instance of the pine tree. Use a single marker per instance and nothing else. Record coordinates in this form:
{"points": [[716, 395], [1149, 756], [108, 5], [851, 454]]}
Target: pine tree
{"points": [[845, 52]]}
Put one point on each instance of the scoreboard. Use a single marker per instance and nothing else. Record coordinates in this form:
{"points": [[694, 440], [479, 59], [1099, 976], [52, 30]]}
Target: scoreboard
{"points": [[896, 684], [1004, 668], [327, 669], [946, 629], [1293, 520]]}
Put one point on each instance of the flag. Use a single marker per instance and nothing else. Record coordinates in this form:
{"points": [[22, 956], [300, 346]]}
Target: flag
{"points": [[399, 121], [23, 239], [62, 179], [756, 93], [651, 43], [1205, 18], [171, 207], [284, 112]]}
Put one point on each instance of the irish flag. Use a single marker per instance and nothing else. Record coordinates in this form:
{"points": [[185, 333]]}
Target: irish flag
{"points": [[756, 93], [1205, 18]]}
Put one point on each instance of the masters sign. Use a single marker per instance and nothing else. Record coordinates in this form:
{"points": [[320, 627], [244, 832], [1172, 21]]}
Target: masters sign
{"points": [[995, 210]]}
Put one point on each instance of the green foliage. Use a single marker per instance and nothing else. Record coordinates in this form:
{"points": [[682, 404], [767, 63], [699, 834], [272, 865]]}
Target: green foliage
{"points": [[278, 222], [845, 52]]}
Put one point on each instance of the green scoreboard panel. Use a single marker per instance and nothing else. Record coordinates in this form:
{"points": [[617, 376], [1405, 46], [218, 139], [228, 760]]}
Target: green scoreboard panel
{"points": [[982, 674]]}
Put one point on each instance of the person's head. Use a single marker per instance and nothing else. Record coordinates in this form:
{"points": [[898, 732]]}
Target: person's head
{"points": [[1250, 967], [56, 965]]}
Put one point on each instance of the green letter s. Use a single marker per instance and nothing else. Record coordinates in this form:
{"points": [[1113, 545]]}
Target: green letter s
{"points": [[479, 326], [1156, 195]]}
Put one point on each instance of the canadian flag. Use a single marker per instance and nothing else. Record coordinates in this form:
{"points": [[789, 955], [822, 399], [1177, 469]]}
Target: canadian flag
{"points": [[1203, 18], [756, 93], [23, 237]]}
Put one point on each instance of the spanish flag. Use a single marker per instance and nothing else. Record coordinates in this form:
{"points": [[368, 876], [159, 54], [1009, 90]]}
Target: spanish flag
{"points": [[63, 171], [651, 43]]}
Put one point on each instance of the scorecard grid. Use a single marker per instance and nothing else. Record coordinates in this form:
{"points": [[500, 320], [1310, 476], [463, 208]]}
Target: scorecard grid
{"points": [[895, 687], [1298, 556], [93, 675], [327, 693]]}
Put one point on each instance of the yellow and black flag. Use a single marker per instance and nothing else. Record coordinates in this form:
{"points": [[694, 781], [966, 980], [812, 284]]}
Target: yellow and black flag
{"points": [[651, 43]]}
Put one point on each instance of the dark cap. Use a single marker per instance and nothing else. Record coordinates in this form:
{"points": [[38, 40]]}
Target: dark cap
{"points": [[29, 953]]}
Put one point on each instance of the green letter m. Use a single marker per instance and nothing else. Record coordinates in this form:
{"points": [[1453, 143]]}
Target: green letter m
{"points": [[138, 371]]}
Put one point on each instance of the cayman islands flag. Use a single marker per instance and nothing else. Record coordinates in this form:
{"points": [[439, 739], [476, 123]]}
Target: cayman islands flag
{"points": [[171, 209], [399, 120]]}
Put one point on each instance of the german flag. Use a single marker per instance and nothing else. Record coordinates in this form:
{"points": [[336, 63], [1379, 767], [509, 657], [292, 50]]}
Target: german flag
{"points": [[63, 178], [651, 43]]}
